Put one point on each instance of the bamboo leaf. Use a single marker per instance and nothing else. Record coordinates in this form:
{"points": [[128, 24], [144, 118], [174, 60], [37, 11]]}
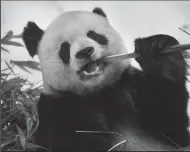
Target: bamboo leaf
{"points": [[24, 69], [184, 31], [2, 79], [26, 114], [6, 144], [2, 48], [28, 102], [17, 36], [33, 146], [13, 83], [22, 137], [29, 124], [12, 43], [10, 67], [6, 69], [34, 84], [5, 74], [29, 64], [8, 36]]}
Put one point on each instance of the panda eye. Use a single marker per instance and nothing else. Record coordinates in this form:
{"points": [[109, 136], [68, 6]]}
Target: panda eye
{"points": [[100, 38], [64, 52]]}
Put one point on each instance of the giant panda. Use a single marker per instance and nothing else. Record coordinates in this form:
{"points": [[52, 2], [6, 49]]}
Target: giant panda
{"points": [[88, 106]]}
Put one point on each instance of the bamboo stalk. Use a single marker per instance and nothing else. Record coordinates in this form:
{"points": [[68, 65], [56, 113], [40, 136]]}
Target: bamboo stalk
{"points": [[124, 56]]}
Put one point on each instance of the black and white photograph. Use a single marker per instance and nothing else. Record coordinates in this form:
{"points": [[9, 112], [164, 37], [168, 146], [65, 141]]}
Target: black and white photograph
{"points": [[95, 76]]}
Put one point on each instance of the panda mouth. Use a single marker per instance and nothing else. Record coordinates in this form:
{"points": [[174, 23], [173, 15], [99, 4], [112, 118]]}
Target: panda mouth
{"points": [[91, 69]]}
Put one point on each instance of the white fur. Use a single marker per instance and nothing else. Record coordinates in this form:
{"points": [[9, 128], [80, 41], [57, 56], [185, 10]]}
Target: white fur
{"points": [[73, 27]]}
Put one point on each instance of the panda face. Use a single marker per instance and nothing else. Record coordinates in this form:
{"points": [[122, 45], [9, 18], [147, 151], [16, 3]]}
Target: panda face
{"points": [[69, 47]]}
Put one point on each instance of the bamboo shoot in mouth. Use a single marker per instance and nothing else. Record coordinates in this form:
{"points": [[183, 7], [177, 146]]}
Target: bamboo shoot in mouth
{"points": [[124, 56]]}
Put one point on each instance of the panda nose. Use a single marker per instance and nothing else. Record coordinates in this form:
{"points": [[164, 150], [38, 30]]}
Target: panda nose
{"points": [[85, 53]]}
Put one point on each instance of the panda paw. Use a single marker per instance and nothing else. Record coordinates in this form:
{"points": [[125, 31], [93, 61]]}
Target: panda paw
{"points": [[151, 47], [169, 65]]}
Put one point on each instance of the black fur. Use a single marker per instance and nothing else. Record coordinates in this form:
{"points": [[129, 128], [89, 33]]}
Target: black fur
{"points": [[163, 89], [99, 11], [85, 53], [31, 36], [146, 99], [100, 38], [64, 52], [101, 111]]}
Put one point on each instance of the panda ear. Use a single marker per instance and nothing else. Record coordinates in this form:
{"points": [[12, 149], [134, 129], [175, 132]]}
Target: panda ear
{"points": [[99, 11], [31, 36]]}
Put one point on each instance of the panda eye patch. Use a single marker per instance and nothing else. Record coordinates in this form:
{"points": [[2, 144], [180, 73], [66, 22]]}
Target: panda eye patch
{"points": [[64, 52], [100, 38]]}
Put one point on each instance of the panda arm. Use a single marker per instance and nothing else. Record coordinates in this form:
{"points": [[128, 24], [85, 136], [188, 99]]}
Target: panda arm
{"points": [[162, 94]]}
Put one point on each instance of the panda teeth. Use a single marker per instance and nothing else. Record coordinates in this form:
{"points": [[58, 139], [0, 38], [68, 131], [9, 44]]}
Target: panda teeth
{"points": [[97, 71]]}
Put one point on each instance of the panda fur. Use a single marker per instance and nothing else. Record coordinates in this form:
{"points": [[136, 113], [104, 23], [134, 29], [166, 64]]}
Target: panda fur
{"points": [[146, 109]]}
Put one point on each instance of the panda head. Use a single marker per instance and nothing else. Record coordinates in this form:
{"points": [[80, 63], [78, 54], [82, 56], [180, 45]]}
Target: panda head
{"points": [[68, 48]]}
